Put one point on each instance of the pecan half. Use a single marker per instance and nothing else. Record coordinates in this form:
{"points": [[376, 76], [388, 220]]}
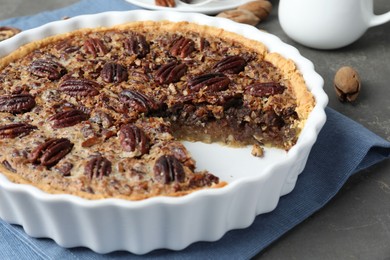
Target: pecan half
{"points": [[137, 45], [103, 119], [168, 169], [170, 73], [265, 89], [182, 47], [15, 130], [7, 32], [98, 167], [133, 139], [47, 69], [165, 3], [50, 152], [113, 73], [138, 101], [79, 87], [231, 65], [17, 103], [8, 166], [68, 118], [213, 81], [95, 47]]}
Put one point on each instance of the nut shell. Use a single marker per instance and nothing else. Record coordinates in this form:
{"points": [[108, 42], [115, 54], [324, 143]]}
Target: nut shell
{"points": [[259, 8], [347, 84], [240, 16]]}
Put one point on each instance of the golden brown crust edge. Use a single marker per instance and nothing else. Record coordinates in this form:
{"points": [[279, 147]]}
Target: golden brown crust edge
{"points": [[157, 26], [12, 177], [305, 100]]}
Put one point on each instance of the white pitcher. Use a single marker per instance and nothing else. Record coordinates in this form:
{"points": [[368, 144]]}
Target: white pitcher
{"points": [[328, 24]]}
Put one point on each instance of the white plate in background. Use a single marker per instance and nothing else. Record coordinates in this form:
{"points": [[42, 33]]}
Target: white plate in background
{"points": [[210, 8]]}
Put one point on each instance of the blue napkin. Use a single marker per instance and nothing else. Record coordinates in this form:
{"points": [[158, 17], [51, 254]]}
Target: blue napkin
{"points": [[343, 148]]}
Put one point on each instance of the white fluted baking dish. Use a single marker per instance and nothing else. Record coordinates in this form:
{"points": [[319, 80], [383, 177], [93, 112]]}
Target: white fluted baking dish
{"points": [[255, 185]]}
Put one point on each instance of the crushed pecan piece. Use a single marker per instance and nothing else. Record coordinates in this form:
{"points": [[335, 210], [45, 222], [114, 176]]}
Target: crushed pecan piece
{"points": [[64, 168], [91, 141], [201, 180], [271, 119]]}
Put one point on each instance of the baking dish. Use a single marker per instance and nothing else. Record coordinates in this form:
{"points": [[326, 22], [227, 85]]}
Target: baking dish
{"points": [[255, 186]]}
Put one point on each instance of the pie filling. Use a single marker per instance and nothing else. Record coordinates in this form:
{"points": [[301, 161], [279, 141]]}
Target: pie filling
{"points": [[100, 113]]}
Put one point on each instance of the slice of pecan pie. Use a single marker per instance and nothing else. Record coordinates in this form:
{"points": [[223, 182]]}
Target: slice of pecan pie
{"points": [[100, 113]]}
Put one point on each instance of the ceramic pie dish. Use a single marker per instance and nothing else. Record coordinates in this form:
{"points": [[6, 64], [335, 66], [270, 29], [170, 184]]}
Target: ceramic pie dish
{"points": [[168, 222]]}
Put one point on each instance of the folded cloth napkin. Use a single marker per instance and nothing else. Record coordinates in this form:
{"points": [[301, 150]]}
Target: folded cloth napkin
{"points": [[343, 148]]}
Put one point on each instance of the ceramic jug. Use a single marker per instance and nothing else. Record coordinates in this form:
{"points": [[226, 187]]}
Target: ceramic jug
{"points": [[328, 24]]}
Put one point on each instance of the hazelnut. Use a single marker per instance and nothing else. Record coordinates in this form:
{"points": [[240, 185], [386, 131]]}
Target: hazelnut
{"points": [[260, 8], [240, 16], [347, 84]]}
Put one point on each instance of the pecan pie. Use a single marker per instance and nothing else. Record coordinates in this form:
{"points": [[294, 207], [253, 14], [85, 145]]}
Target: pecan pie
{"points": [[100, 113]]}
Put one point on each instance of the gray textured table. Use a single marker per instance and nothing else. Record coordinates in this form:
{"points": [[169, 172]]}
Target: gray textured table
{"points": [[356, 223]]}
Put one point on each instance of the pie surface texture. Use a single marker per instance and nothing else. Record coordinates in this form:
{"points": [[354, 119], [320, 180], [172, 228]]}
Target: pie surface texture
{"points": [[99, 113]]}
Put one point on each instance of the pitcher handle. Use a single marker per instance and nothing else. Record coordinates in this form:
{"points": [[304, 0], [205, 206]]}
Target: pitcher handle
{"points": [[380, 19]]}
